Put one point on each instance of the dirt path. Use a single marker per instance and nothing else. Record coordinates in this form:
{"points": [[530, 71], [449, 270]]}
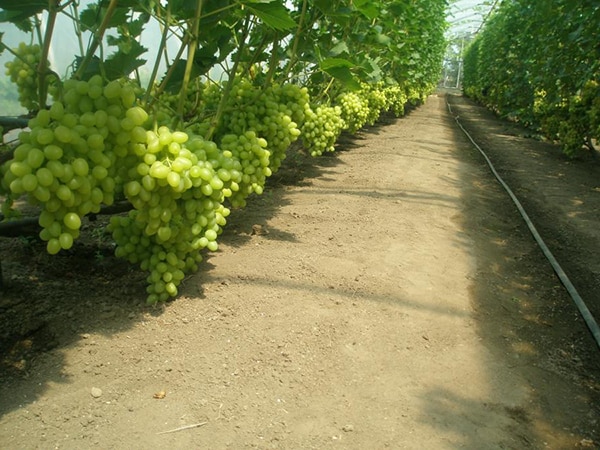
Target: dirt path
{"points": [[390, 298]]}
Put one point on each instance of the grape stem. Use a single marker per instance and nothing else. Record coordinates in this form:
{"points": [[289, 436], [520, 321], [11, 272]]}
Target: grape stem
{"points": [[230, 81], [193, 44], [293, 56], [98, 35], [77, 26], [170, 72], [43, 64], [161, 48], [273, 62]]}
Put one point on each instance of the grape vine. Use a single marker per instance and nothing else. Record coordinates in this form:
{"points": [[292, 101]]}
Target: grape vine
{"points": [[185, 148]]}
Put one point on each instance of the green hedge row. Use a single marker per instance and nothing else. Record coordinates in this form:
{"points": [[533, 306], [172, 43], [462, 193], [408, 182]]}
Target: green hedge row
{"points": [[539, 63]]}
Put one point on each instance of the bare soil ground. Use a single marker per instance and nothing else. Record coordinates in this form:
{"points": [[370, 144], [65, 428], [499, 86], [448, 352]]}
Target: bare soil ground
{"points": [[385, 296]]}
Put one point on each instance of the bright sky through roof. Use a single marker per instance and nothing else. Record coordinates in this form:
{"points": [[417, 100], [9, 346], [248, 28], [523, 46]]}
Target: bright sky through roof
{"points": [[466, 16]]}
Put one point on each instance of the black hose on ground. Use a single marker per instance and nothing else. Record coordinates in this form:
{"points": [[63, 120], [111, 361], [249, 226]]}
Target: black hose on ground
{"points": [[583, 309]]}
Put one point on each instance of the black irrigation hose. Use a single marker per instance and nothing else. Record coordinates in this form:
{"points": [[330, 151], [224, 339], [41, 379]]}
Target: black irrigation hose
{"points": [[583, 309]]}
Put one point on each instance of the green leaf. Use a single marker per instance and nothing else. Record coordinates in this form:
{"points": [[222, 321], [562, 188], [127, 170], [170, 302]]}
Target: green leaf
{"points": [[176, 80], [18, 12], [205, 58], [136, 27], [339, 48], [91, 17], [330, 63], [93, 68], [273, 14], [215, 47], [325, 6], [344, 75], [22, 5], [121, 65], [367, 8], [383, 39], [129, 49]]}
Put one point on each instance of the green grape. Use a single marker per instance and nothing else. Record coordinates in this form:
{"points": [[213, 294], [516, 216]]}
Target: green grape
{"points": [[274, 113], [253, 156]]}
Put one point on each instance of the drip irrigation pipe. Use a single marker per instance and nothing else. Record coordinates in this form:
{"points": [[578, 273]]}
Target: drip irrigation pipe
{"points": [[583, 309]]}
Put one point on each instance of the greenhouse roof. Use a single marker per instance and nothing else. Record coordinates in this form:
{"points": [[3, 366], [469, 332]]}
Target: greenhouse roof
{"points": [[466, 17]]}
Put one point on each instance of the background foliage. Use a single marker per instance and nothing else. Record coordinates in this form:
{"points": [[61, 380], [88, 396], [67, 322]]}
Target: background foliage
{"points": [[539, 63]]}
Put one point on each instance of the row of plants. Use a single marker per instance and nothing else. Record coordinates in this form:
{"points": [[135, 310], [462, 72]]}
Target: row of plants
{"points": [[184, 147], [539, 63]]}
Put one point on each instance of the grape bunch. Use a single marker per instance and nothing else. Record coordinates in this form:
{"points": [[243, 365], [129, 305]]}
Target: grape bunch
{"points": [[66, 163], [253, 156], [376, 100], [321, 129], [354, 110], [285, 109], [273, 113], [178, 198], [397, 99], [164, 111], [22, 71]]}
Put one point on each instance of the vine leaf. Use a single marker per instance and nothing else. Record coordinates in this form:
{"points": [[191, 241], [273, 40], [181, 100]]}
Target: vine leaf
{"points": [[18, 12], [335, 62], [367, 8], [273, 14], [124, 61], [339, 48], [339, 69], [91, 17], [175, 81], [93, 68]]}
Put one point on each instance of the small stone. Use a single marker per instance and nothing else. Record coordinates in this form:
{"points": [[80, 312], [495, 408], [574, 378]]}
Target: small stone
{"points": [[96, 392], [348, 428]]}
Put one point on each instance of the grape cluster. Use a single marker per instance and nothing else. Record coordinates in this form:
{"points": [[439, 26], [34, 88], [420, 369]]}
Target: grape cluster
{"points": [[285, 110], [253, 156], [396, 98], [23, 72], [165, 110], [266, 120], [274, 113], [178, 198], [354, 110], [377, 101], [66, 162], [321, 129]]}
